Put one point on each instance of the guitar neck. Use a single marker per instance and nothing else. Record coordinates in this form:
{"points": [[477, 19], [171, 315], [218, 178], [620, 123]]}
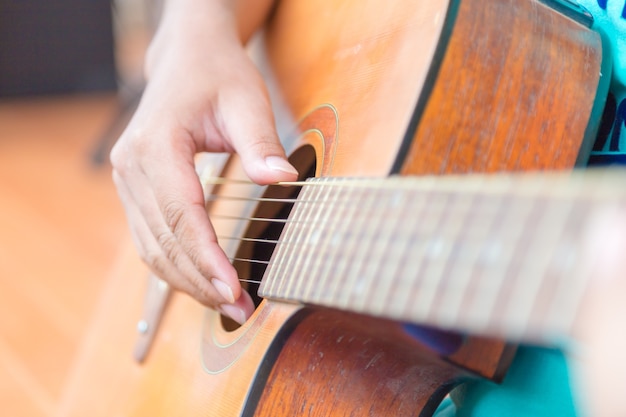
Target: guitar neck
{"points": [[502, 255]]}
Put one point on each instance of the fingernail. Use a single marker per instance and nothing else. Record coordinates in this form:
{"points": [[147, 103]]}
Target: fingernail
{"points": [[233, 312], [224, 290], [279, 164]]}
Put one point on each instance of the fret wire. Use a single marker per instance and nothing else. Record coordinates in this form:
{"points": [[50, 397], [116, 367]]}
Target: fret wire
{"points": [[336, 271], [220, 216], [283, 268], [457, 288], [427, 227], [338, 262], [436, 259], [369, 263], [278, 262], [524, 242], [491, 264], [531, 273], [481, 235], [451, 222], [365, 273], [459, 270], [408, 265], [347, 287], [315, 286], [567, 291], [304, 258], [329, 190], [398, 234], [486, 243], [266, 241], [317, 255], [553, 273], [388, 248]]}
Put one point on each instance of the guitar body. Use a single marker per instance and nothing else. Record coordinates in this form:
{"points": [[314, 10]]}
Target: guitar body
{"points": [[374, 88]]}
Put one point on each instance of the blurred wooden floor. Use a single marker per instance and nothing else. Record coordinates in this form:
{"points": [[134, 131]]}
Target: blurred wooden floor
{"points": [[60, 231]]}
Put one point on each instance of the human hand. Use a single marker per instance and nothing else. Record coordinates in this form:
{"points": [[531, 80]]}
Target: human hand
{"points": [[203, 94], [600, 369]]}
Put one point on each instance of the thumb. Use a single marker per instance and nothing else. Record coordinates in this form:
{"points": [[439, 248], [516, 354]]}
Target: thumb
{"points": [[250, 128], [264, 160]]}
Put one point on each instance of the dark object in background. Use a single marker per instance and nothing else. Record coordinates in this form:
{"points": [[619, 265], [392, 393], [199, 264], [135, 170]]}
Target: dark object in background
{"points": [[56, 46]]}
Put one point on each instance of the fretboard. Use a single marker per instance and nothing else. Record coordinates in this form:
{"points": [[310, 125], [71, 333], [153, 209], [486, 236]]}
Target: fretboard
{"points": [[493, 254]]}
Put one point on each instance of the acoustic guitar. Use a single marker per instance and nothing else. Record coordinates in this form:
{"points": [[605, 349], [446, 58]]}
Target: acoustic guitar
{"points": [[404, 88]]}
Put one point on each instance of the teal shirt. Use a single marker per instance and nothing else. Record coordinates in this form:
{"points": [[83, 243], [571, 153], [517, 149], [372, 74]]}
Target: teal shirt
{"points": [[538, 383], [610, 19]]}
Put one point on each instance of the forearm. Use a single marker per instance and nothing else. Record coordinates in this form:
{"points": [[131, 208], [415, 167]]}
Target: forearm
{"points": [[245, 16], [190, 26]]}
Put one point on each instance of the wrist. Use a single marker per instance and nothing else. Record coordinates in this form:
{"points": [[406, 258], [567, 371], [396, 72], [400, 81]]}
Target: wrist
{"points": [[240, 17], [190, 28]]}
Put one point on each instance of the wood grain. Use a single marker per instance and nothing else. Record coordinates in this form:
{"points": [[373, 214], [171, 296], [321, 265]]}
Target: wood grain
{"points": [[367, 59], [339, 364], [494, 105], [370, 63], [500, 104]]}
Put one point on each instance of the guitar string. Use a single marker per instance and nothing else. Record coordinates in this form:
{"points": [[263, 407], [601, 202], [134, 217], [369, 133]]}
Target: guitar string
{"points": [[229, 181], [251, 260], [251, 219], [214, 198], [220, 216], [256, 261], [260, 220], [250, 281], [250, 239], [330, 182], [284, 222], [531, 185]]}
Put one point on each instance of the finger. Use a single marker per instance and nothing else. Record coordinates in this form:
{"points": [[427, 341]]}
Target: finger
{"points": [[205, 292], [183, 228], [177, 269], [248, 123], [240, 310]]}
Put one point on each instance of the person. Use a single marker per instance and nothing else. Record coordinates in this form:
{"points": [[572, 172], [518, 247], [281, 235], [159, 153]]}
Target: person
{"points": [[203, 93]]}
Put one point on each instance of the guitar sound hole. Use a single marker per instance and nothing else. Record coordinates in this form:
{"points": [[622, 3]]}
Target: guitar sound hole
{"points": [[255, 251]]}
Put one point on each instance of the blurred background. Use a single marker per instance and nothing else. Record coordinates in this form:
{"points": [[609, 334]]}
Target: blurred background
{"points": [[70, 75]]}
